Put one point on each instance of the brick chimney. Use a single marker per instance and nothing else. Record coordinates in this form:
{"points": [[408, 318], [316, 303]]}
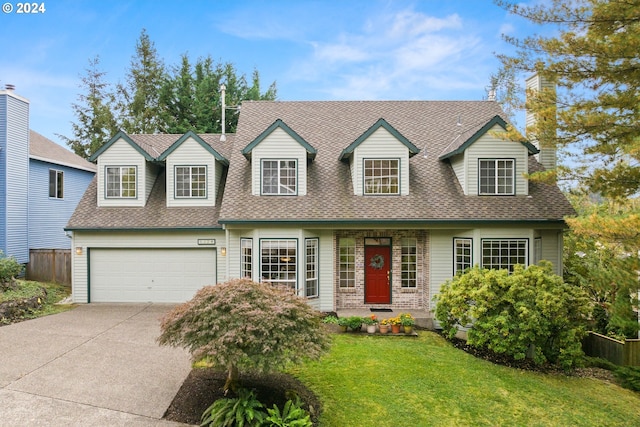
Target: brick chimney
{"points": [[547, 156]]}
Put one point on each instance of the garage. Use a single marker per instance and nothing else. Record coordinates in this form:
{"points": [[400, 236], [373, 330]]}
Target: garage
{"points": [[149, 275]]}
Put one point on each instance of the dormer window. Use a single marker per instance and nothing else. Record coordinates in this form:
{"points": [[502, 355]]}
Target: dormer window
{"points": [[191, 181], [381, 176], [497, 176], [279, 177], [121, 182]]}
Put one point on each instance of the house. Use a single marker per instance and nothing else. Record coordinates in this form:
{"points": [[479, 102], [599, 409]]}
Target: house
{"points": [[353, 204], [41, 183]]}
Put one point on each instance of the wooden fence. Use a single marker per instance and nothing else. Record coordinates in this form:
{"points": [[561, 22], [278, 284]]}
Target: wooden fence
{"points": [[623, 353], [49, 265]]}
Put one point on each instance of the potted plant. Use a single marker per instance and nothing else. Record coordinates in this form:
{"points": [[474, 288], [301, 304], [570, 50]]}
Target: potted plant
{"points": [[395, 324], [371, 322], [384, 326], [354, 323], [407, 320], [343, 322]]}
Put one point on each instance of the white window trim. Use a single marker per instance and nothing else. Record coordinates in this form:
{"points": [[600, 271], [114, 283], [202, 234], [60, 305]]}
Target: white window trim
{"points": [[281, 188], [408, 282], [246, 257], [290, 263], [120, 169], [365, 186], [58, 184], [348, 266], [468, 244], [508, 263], [496, 191], [312, 266], [191, 169]]}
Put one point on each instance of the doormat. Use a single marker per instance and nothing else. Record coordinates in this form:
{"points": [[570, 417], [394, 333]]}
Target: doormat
{"points": [[381, 310]]}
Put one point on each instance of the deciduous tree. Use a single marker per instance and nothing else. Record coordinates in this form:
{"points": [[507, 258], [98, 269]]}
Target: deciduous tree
{"points": [[241, 324]]}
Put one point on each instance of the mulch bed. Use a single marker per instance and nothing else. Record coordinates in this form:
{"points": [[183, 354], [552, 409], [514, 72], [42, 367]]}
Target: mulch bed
{"points": [[529, 365], [203, 386]]}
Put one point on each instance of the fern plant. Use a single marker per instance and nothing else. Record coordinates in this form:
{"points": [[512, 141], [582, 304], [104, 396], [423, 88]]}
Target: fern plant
{"points": [[245, 410], [293, 415]]}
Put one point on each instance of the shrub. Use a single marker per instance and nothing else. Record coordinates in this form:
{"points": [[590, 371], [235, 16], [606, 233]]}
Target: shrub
{"points": [[241, 324], [243, 410], [293, 415], [528, 312], [9, 269]]}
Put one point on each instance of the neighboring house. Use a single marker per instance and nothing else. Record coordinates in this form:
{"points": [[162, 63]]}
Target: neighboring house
{"points": [[41, 183], [353, 204]]}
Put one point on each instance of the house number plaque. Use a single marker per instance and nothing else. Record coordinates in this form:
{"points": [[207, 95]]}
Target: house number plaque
{"points": [[206, 241]]}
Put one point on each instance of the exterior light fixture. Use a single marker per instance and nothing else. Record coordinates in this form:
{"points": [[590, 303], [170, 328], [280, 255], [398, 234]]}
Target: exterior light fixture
{"points": [[223, 251], [78, 250]]}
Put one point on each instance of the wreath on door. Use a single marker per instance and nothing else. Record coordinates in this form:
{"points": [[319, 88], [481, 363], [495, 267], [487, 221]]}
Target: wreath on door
{"points": [[377, 262]]}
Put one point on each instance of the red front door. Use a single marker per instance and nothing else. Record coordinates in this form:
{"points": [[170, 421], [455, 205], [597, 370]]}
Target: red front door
{"points": [[377, 287]]}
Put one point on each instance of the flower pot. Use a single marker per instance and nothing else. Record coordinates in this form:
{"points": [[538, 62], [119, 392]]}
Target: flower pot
{"points": [[395, 329], [384, 329], [371, 329], [408, 329]]}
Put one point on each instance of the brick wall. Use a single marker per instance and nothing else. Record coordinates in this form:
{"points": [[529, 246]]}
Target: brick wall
{"points": [[401, 298]]}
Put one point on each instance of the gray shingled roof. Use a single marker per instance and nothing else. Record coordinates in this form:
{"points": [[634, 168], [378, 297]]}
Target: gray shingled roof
{"points": [[155, 214], [42, 148], [435, 195], [330, 126]]}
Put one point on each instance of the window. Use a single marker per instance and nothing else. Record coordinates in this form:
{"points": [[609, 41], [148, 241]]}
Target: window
{"points": [[496, 176], [56, 184], [347, 268], [381, 176], [246, 258], [462, 248], [409, 263], [504, 253], [311, 288], [279, 260], [279, 177], [121, 182], [191, 181]]}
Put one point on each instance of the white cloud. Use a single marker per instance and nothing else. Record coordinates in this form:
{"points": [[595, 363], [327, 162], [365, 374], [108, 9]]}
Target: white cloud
{"points": [[398, 55]]}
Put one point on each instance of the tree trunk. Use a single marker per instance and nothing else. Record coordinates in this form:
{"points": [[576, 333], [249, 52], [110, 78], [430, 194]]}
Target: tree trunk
{"points": [[232, 379]]}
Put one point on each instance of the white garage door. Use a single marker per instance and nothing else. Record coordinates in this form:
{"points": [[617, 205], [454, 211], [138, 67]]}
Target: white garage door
{"points": [[149, 275]]}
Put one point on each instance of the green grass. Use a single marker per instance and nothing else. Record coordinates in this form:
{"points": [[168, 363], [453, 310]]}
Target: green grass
{"points": [[27, 289], [393, 381]]}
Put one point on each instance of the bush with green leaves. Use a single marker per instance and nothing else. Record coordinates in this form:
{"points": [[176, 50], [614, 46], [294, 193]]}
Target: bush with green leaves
{"points": [[243, 410], [530, 312], [241, 324], [292, 415], [9, 269]]}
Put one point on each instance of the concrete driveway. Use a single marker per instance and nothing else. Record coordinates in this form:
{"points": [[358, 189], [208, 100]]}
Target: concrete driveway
{"points": [[96, 365]]}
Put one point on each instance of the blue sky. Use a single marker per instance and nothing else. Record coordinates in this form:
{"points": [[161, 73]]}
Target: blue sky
{"points": [[313, 50]]}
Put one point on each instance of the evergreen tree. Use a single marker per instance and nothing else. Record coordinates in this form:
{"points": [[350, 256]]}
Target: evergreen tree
{"points": [[95, 120], [594, 61], [190, 96], [139, 96]]}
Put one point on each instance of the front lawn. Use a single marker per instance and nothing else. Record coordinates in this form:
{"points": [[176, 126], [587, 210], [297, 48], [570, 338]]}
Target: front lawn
{"points": [[425, 381]]}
